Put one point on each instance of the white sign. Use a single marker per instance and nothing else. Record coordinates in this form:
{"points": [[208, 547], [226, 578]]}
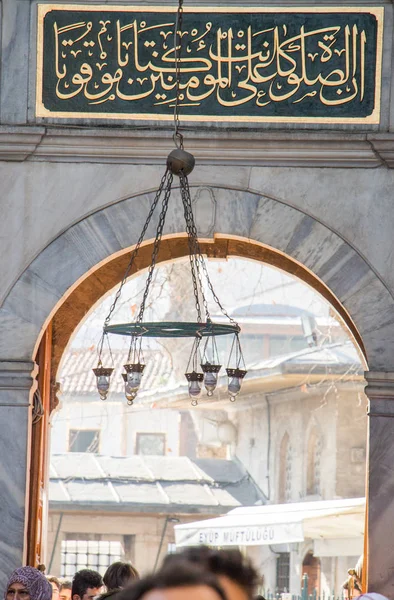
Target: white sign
{"points": [[240, 536]]}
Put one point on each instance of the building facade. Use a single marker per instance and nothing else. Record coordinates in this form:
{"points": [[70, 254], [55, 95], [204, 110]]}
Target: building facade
{"points": [[298, 431], [103, 508], [312, 195]]}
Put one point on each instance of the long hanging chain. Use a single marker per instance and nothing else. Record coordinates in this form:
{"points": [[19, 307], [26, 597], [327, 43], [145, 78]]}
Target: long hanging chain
{"points": [[133, 256], [197, 263], [180, 163], [193, 251], [178, 137], [156, 244], [196, 258], [137, 247], [198, 254]]}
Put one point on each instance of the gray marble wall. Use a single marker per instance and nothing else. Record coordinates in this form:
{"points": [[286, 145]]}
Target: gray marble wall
{"points": [[18, 61], [380, 390], [15, 412], [72, 197]]}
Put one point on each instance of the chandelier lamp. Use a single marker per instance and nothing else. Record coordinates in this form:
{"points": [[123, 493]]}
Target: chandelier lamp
{"points": [[203, 367]]}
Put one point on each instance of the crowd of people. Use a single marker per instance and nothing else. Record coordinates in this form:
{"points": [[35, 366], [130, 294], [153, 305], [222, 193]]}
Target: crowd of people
{"points": [[197, 573]]}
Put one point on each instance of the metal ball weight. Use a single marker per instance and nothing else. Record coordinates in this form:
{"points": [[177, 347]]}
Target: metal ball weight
{"points": [[179, 161]]}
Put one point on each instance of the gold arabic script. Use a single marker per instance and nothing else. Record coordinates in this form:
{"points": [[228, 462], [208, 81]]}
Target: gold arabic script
{"points": [[115, 61]]}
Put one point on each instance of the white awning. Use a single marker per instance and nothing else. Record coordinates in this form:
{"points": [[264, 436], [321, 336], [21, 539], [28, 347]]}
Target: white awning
{"points": [[277, 524]]}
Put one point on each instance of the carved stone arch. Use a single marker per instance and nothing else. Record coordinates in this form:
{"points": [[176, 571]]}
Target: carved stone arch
{"points": [[246, 224]]}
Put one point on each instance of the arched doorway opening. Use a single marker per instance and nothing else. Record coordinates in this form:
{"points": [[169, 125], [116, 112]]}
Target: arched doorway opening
{"points": [[239, 215], [277, 347], [92, 287]]}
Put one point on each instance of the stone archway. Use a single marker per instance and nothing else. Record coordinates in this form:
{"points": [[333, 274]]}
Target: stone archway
{"points": [[83, 258], [90, 290], [310, 246]]}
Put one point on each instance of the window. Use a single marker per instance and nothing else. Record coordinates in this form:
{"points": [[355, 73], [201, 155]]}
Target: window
{"points": [[285, 452], [283, 573], [88, 554], [84, 440], [313, 463], [151, 444]]}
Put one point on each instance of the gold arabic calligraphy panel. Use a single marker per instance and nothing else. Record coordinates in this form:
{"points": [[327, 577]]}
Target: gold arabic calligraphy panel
{"points": [[237, 64]]}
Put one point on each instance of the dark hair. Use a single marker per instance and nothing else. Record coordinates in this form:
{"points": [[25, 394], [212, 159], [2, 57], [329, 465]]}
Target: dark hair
{"points": [[176, 575], [230, 563], [65, 585], [119, 575], [53, 579], [84, 579]]}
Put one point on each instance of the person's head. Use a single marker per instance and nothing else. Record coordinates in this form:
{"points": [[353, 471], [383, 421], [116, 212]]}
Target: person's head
{"points": [[55, 583], [235, 572], [175, 582], [65, 590], [86, 585], [28, 583], [119, 575]]}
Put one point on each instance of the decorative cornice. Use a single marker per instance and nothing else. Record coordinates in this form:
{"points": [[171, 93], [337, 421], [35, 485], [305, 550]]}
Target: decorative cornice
{"points": [[379, 389], [16, 375], [210, 147], [18, 143], [383, 144]]}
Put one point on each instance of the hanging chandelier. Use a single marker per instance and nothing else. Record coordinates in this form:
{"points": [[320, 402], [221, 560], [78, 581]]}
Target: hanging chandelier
{"points": [[203, 366]]}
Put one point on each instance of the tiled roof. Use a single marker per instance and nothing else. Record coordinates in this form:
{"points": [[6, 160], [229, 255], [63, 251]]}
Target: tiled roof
{"points": [[80, 481], [77, 376]]}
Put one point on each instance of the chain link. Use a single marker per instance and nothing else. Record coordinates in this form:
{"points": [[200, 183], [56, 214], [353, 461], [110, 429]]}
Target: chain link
{"points": [[178, 137], [193, 250], [156, 245], [198, 266], [133, 256], [191, 255], [199, 259]]}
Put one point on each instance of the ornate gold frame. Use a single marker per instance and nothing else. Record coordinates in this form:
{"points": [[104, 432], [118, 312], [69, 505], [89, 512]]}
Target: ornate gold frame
{"points": [[41, 111]]}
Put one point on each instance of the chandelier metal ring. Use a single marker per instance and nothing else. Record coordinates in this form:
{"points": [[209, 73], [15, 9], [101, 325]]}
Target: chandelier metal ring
{"points": [[172, 329]]}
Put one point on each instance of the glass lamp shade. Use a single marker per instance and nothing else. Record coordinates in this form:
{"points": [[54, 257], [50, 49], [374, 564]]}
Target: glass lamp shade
{"points": [[235, 381], [134, 374], [210, 382], [210, 376], [128, 391], [194, 381], [103, 379], [234, 387]]}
